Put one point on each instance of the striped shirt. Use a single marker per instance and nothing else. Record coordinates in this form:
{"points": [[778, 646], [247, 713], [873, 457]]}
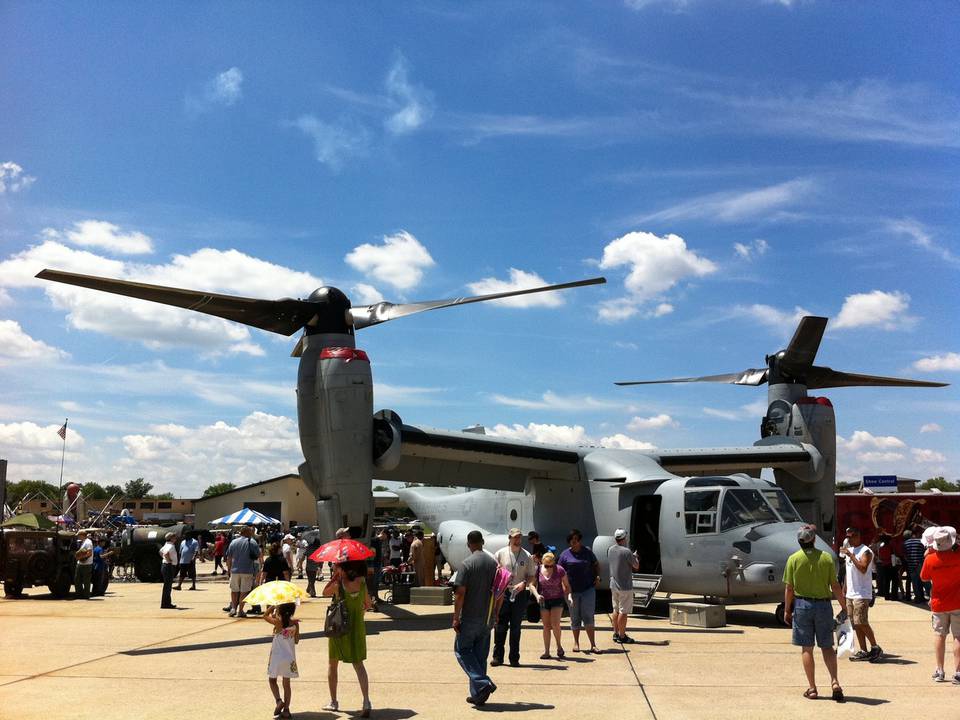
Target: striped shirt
{"points": [[913, 553]]}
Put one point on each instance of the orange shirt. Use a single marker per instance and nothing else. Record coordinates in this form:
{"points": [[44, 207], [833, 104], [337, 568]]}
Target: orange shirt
{"points": [[943, 569]]}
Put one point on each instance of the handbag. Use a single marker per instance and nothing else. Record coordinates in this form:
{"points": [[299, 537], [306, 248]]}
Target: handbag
{"points": [[337, 622]]}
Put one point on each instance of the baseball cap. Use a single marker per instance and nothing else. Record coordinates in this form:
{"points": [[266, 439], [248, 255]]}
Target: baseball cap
{"points": [[807, 533], [514, 532], [852, 531], [620, 534], [475, 537]]}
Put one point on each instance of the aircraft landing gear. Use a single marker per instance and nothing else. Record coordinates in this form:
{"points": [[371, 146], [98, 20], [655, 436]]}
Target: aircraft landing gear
{"points": [[778, 613]]}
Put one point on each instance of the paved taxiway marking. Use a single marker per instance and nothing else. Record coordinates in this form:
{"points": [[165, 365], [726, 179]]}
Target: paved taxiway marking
{"points": [[114, 654]]}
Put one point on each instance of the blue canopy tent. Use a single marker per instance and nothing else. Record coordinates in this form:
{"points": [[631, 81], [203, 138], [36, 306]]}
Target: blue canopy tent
{"points": [[246, 516]]}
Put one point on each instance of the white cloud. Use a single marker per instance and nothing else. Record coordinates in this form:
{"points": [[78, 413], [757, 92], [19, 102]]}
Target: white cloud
{"points": [[102, 234], [784, 320], [748, 251], [737, 206], [863, 440], [17, 345], [939, 363], [519, 280], [655, 422], [921, 236], [930, 428], [226, 88], [363, 294], [925, 455], [887, 310], [879, 457], [399, 261], [722, 414], [333, 144], [12, 178], [625, 442], [415, 103], [26, 443], [157, 326], [751, 411], [656, 264], [549, 434], [551, 401]]}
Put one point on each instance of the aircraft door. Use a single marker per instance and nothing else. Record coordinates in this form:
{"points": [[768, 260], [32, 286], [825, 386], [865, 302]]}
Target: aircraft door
{"points": [[645, 533], [515, 515]]}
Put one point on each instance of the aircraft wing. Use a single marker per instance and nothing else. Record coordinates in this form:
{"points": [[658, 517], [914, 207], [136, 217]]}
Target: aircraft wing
{"points": [[450, 457], [783, 454]]}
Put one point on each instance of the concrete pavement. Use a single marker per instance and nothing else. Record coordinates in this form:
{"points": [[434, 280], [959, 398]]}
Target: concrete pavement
{"points": [[121, 657]]}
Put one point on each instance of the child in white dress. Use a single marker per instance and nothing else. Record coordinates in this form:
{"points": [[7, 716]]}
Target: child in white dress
{"points": [[283, 654]]}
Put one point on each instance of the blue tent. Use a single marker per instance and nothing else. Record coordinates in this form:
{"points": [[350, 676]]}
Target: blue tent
{"points": [[245, 517]]}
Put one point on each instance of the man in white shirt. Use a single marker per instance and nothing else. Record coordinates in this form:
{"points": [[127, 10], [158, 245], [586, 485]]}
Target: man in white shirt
{"points": [[301, 555], [168, 569], [84, 572], [287, 550], [513, 611], [858, 589]]}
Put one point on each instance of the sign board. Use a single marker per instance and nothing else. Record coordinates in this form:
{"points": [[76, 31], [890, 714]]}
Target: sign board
{"points": [[880, 483]]}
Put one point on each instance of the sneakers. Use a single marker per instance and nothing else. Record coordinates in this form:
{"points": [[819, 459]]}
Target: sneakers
{"points": [[627, 640], [241, 614], [496, 663], [938, 675], [331, 706], [956, 678], [228, 608], [859, 656], [232, 613], [876, 652], [616, 638]]}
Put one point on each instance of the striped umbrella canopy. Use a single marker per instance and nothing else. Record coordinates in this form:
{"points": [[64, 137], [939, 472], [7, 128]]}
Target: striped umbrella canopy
{"points": [[275, 592], [245, 517]]}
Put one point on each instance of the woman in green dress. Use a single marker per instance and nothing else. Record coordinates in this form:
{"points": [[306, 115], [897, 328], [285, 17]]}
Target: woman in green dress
{"points": [[349, 578]]}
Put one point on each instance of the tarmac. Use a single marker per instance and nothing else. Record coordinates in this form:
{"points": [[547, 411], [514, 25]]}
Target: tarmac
{"points": [[121, 656]]}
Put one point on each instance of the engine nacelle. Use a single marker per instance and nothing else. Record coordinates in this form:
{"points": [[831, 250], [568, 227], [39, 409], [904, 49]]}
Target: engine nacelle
{"points": [[386, 439]]}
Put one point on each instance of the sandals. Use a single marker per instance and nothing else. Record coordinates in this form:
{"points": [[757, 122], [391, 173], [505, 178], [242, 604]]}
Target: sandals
{"points": [[545, 656], [811, 694], [838, 694], [278, 710], [560, 653]]}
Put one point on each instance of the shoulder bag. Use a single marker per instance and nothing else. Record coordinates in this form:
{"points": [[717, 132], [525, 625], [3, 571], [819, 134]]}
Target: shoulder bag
{"points": [[337, 622]]}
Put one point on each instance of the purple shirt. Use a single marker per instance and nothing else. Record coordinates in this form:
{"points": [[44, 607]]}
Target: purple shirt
{"points": [[579, 567], [551, 588]]}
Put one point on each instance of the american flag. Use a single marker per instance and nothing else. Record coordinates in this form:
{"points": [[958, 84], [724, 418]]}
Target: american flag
{"points": [[62, 432]]}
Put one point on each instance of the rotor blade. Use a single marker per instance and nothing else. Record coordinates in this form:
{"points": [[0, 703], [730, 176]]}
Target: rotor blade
{"points": [[284, 317], [824, 377], [753, 376], [367, 315], [804, 344]]}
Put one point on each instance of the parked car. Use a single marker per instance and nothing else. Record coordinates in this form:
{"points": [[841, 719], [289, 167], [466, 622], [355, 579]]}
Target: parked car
{"points": [[30, 558]]}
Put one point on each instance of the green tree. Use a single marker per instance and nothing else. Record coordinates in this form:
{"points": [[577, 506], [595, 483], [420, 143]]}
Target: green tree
{"points": [[138, 488], [111, 490], [941, 484], [19, 490], [161, 496], [218, 488], [380, 488], [94, 491]]}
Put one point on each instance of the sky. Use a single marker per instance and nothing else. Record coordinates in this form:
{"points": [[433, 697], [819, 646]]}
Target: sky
{"points": [[728, 166]]}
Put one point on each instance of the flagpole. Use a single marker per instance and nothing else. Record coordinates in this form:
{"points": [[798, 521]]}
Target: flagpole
{"points": [[63, 454]]}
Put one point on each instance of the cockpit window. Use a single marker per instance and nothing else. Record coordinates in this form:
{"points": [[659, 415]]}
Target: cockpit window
{"points": [[744, 507], [700, 511], [781, 503]]}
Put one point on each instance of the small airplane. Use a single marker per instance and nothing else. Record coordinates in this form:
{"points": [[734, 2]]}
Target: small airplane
{"points": [[702, 524]]}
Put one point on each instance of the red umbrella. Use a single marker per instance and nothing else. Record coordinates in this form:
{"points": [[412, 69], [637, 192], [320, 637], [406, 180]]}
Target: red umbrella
{"points": [[342, 550]]}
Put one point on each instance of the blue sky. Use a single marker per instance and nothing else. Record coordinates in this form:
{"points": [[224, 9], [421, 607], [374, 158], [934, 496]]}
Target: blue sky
{"points": [[728, 167]]}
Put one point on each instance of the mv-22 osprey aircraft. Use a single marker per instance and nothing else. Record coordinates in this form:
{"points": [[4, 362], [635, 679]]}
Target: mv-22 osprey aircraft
{"points": [[702, 524]]}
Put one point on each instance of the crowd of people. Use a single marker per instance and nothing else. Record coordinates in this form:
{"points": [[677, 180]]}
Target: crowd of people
{"points": [[932, 558]]}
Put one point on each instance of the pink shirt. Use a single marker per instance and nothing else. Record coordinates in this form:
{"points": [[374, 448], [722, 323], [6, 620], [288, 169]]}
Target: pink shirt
{"points": [[551, 587]]}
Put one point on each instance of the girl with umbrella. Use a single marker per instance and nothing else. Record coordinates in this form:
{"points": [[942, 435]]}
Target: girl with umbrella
{"points": [[349, 584]]}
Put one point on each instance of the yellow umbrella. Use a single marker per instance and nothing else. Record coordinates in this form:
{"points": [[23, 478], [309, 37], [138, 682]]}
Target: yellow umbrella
{"points": [[275, 592]]}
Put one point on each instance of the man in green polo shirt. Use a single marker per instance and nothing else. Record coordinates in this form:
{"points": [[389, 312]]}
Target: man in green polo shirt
{"points": [[810, 577]]}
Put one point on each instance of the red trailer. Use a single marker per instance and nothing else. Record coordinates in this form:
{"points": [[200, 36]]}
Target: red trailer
{"points": [[894, 512]]}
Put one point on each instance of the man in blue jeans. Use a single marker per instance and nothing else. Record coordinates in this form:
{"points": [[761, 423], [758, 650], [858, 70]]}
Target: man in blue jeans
{"points": [[473, 612]]}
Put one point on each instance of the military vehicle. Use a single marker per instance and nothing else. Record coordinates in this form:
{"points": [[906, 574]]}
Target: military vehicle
{"points": [[31, 558], [140, 547]]}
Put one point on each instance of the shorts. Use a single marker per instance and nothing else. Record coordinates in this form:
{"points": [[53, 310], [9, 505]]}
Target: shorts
{"points": [[622, 601], [188, 570], [241, 582], [583, 608], [551, 603], [945, 621], [858, 610], [812, 622]]}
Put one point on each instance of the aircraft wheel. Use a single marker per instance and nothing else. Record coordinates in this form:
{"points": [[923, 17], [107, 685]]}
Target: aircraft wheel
{"points": [[60, 587], [778, 613], [147, 568], [12, 589]]}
